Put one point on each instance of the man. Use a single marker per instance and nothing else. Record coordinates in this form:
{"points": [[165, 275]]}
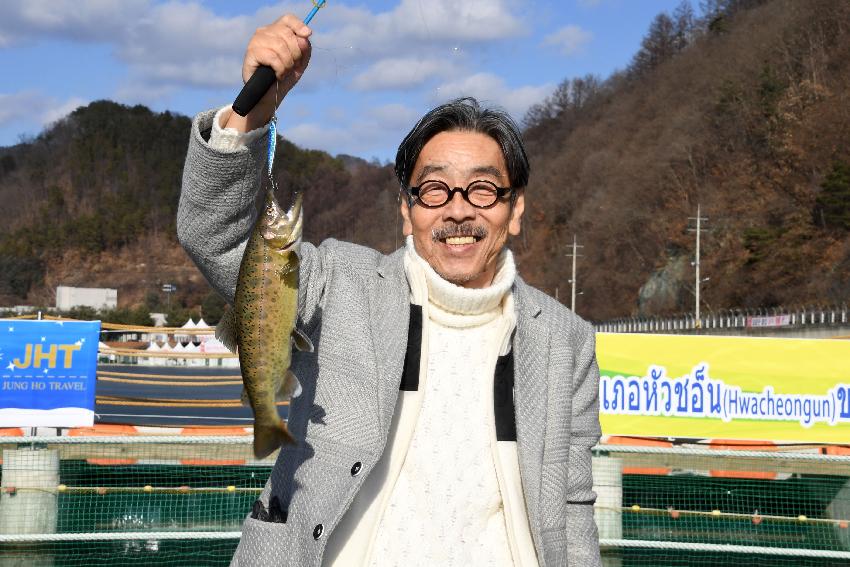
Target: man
{"points": [[448, 411]]}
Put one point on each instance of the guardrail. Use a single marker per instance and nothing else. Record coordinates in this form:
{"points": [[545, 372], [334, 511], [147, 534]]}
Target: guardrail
{"points": [[762, 318]]}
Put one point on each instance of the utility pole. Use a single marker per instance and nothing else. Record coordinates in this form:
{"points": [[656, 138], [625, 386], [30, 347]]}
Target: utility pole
{"points": [[699, 218], [574, 255], [169, 289]]}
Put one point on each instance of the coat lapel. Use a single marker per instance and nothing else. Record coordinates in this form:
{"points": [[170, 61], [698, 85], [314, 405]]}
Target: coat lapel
{"points": [[531, 353], [390, 314]]}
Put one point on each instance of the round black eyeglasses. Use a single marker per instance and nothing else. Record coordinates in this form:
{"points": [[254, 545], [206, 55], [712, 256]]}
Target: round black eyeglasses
{"points": [[480, 194]]}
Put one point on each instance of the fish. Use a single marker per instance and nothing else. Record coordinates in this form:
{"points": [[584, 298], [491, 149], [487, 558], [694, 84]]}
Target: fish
{"points": [[260, 325]]}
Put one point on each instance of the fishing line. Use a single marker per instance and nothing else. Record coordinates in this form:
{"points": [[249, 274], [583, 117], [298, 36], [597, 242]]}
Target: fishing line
{"points": [[263, 77]]}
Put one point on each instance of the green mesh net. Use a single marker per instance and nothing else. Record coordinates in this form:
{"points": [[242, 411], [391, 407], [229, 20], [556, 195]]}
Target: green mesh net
{"points": [[181, 501]]}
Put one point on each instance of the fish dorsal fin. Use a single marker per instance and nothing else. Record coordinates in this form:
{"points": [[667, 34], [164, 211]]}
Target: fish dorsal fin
{"points": [[225, 331], [290, 388], [302, 341]]}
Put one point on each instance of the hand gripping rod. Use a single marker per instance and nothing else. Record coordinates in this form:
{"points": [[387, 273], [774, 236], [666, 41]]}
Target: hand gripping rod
{"points": [[263, 78]]}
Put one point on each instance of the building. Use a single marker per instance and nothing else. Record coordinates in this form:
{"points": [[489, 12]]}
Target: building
{"points": [[95, 297]]}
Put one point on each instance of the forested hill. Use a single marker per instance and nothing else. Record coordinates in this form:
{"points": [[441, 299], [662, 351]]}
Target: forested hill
{"points": [[744, 111], [741, 108], [92, 201]]}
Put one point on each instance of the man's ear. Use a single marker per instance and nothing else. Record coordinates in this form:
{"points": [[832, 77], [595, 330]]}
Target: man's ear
{"points": [[407, 224], [515, 222]]}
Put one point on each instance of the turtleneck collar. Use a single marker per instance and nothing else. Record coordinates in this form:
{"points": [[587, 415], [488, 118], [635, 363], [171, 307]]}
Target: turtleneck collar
{"points": [[454, 304]]}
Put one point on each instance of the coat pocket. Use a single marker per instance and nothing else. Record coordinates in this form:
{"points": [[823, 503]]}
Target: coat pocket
{"points": [[272, 543]]}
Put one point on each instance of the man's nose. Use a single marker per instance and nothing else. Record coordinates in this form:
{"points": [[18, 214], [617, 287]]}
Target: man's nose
{"points": [[458, 209]]}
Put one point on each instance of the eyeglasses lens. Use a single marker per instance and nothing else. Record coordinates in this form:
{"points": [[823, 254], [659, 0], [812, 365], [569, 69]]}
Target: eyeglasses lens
{"points": [[478, 193]]}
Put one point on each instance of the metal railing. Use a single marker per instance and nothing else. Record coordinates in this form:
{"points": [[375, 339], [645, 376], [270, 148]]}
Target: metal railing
{"points": [[759, 318]]}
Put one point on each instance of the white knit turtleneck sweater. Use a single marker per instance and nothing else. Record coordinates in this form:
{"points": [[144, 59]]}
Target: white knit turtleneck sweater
{"points": [[446, 507]]}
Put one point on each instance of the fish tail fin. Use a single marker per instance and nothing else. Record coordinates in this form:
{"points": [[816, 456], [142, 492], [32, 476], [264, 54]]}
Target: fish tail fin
{"points": [[290, 388], [225, 331], [267, 439]]}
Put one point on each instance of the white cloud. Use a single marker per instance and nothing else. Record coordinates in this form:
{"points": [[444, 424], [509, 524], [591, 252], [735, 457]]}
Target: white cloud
{"points": [[401, 73], [373, 130], [167, 45], [54, 112], [313, 135], [489, 88], [179, 43], [569, 39], [17, 106], [394, 116], [85, 20], [186, 44], [31, 105], [442, 23], [172, 43], [137, 91]]}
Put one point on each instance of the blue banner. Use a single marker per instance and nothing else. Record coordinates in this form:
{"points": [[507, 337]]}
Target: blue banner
{"points": [[48, 371]]}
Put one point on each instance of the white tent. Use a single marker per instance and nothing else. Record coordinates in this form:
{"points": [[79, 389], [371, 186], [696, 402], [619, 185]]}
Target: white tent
{"points": [[184, 335], [179, 348], [194, 361], [203, 325], [213, 346], [103, 350], [164, 361], [152, 360]]}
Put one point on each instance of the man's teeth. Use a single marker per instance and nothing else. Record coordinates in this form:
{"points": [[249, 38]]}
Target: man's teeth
{"points": [[460, 240]]}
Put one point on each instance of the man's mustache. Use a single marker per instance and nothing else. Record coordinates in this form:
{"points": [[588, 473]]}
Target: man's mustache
{"points": [[463, 229]]}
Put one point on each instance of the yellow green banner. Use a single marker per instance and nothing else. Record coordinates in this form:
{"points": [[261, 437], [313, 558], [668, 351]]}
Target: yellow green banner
{"points": [[724, 387]]}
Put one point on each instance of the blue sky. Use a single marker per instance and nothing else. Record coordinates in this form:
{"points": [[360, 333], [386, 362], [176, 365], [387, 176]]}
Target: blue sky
{"points": [[376, 65]]}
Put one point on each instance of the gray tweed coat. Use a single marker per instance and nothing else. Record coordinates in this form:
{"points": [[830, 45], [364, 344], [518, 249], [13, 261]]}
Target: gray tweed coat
{"points": [[354, 304]]}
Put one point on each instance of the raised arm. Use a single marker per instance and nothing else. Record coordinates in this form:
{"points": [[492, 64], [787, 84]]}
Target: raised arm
{"points": [[227, 155]]}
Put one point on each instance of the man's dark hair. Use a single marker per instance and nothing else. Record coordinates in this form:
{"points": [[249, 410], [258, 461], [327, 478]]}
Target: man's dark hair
{"points": [[465, 114]]}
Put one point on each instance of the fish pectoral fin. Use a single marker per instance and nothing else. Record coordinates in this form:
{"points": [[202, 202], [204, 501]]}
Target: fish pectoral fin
{"points": [[244, 397], [290, 388], [302, 341], [225, 331], [293, 262]]}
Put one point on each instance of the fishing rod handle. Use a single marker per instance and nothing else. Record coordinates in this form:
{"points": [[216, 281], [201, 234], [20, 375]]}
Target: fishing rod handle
{"points": [[263, 78], [253, 90]]}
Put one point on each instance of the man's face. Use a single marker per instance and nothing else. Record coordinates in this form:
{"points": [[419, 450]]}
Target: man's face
{"points": [[458, 158]]}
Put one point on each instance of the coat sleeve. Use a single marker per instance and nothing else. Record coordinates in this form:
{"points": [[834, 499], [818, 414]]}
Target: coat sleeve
{"points": [[217, 211], [582, 533], [217, 205]]}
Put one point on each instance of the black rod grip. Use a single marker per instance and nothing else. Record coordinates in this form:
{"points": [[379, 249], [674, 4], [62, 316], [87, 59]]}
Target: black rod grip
{"points": [[251, 93]]}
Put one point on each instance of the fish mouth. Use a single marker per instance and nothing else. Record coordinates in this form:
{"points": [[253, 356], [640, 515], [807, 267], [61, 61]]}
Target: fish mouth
{"points": [[282, 229]]}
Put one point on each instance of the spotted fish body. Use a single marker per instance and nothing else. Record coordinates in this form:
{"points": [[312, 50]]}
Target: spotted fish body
{"points": [[262, 319]]}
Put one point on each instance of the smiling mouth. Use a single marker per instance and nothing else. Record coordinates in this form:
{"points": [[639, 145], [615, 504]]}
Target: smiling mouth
{"points": [[460, 240], [459, 235]]}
